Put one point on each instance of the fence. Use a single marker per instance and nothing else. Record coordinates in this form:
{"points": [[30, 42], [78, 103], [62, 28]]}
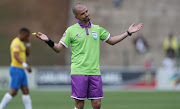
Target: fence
{"points": [[114, 78]]}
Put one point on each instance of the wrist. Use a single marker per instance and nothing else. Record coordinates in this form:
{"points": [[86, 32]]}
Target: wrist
{"points": [[50, 43], [24, 64], [28, 44], [47, 40], [129, 33]]}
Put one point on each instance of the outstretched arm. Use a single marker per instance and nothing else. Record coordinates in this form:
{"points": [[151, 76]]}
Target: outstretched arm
{"points": [[132, 29], [57, 47]]}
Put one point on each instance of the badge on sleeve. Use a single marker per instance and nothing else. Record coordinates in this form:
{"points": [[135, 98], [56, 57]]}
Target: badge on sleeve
{"points": [[16, 46], [94, 34], [64, 34]]}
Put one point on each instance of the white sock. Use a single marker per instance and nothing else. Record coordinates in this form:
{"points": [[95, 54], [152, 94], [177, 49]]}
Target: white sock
{"points": [[27, 101], [6, 99]]}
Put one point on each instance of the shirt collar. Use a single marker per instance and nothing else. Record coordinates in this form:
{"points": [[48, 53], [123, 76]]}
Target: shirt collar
{"points": [[83, 26]]}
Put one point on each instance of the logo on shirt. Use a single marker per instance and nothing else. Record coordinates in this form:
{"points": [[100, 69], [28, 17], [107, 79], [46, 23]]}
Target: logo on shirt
{"points": [[78, 35], [16, 46], [64, 34], [94, 34]]}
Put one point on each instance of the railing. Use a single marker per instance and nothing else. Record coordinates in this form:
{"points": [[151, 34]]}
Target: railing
{"points": [[113, 78]]}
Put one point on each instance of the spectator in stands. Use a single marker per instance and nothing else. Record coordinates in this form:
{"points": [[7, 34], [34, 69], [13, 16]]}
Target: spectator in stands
{"points": [[178, 55], [148, 62], [117, 3], [168, 62], [171, 46], [148, 75], [141, 44]]}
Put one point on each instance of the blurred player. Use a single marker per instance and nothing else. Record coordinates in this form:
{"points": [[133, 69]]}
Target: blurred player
{"points": [[84, 38], [19, 48]]}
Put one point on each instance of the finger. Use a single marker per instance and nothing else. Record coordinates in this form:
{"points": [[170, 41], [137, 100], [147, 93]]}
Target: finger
{"points": [[132, 25], [139, 26], [40, 33], [38, 36]]}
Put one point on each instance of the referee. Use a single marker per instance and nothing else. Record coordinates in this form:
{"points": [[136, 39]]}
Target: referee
{"points": [[84, 38]]}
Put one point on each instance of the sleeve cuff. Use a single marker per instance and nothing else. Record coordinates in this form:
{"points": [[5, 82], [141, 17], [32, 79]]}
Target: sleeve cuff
{"points": [[107, 38], [63, 43]]}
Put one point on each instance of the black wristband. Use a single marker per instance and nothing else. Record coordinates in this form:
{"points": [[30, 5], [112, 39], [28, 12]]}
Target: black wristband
{"points": [[50, 43], [129, 33]]}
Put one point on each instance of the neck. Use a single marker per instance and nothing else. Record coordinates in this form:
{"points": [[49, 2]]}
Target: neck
{"points": [[20, 38], [84, 23]]}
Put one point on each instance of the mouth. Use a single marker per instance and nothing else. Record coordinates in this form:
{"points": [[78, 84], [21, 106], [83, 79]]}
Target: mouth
{"points": [[88, 18]]}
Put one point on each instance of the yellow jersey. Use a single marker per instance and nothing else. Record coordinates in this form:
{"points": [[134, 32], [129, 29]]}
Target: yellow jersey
{"points": [[173, 43], [17, 46]]}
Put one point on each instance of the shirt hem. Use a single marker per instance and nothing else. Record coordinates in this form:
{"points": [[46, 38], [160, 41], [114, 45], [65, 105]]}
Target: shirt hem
{"points": [[107, 38], [63, 43], [17, 66], [85, 74]]}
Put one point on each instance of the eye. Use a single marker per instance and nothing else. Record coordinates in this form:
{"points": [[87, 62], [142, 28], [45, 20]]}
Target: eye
{"points": [[82, 13]]}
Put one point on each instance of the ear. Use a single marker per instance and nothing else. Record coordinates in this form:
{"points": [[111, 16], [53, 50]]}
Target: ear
{"points": [[76, 17]]}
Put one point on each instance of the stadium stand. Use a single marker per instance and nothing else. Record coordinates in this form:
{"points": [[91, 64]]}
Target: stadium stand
{"points": [[160, 17]]}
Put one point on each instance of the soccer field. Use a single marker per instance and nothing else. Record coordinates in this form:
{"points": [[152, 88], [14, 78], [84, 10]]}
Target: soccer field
{"points": [[111, 100]]}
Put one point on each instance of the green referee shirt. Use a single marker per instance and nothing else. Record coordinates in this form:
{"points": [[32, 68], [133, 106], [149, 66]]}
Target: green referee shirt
{"points": [[85, 47]]}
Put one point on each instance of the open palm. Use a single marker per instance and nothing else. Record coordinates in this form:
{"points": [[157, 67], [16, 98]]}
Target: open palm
{"points": [[42, 36], [133, 29]]}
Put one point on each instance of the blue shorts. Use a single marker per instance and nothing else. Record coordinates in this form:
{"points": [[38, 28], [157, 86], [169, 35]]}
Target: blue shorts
{"points": [[18, 78]]}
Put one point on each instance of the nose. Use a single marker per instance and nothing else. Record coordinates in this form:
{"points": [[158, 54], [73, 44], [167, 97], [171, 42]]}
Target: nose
{"points": [[86, 14]]}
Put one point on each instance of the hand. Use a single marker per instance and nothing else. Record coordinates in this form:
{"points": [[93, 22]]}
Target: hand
{"points": [[28, 68], [42, 36], [133, 29]]}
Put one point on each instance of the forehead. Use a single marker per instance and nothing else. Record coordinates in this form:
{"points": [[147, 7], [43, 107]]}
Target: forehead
{"points": [[26, 33], [81, 9]]}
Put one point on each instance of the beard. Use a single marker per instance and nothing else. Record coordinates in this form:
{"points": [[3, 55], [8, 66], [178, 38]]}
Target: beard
{"points": [[87, 19]]}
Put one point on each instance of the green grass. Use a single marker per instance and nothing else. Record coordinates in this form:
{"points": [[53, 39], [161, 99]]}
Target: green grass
{"points": [[111, 100]]}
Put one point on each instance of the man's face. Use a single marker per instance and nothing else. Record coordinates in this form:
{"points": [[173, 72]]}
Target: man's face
{"points": [[25, 36], [83, 14]]}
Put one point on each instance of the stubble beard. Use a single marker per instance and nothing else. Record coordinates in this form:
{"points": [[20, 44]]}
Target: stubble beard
{"points": [[87, 20]]}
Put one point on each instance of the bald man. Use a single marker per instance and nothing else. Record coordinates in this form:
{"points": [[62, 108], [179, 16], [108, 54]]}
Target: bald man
{"points": [[84, 39]]}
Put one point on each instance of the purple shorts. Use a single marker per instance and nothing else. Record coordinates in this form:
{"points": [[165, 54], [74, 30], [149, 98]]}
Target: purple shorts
{"points": [[86, 86]]}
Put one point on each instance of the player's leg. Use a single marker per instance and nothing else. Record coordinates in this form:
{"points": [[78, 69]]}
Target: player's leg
{"points": [[13, 92], [25, 91], [96, 103], [79, 86], [7, 98], [95, 92], [14, 86], [79, 104], [26, 97]]}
